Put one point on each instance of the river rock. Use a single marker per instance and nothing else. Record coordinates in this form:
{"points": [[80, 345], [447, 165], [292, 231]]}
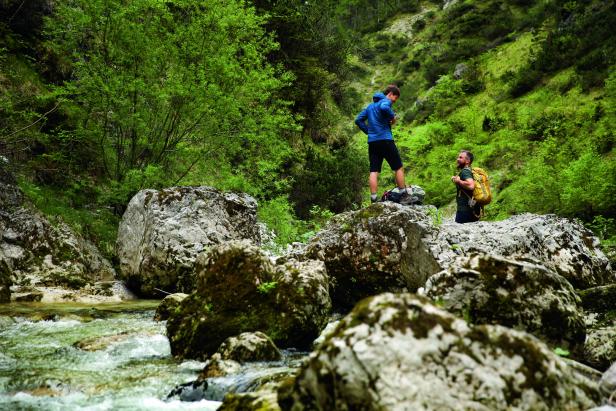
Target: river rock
{"points": [[401, 352], [239, 289], [379, 248], [162, 232], [168, 304], [494, 290], [262, 400], [218, 367], [600, 347], [249, 346], [560, 244]]}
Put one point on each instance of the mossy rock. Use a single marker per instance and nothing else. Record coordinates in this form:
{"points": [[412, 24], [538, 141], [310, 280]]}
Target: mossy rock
{"points": [[239, 289], [398, 351], [486, 289]]}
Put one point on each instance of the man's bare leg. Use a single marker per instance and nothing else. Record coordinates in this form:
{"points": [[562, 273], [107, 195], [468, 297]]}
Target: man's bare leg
{"points": [[400, 179], [373, 180]]}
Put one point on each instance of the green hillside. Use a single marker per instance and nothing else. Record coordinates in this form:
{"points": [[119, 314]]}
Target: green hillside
{"points": [[529, 87]]}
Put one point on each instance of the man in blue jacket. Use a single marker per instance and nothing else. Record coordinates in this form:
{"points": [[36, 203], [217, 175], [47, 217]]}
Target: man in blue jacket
{"points": [[381, 117]]}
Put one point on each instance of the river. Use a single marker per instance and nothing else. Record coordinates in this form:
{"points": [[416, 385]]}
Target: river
{"points": [[103, 357]]}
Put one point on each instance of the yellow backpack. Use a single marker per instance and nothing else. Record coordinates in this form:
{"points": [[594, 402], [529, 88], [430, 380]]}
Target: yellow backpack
{"points": [[482, 193]]}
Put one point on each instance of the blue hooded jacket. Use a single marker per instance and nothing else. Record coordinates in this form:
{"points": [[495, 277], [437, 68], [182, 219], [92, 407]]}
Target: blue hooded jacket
{"points": [[379, 115]]}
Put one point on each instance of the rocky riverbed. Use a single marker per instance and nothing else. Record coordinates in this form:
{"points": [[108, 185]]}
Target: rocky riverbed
{"points": [[410, 313]]}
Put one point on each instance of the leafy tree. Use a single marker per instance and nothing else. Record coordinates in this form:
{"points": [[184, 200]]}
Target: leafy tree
{"points": [[171, 84]]}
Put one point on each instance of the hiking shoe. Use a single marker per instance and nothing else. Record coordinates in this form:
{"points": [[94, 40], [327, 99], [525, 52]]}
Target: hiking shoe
{"points": [[372, 201]]}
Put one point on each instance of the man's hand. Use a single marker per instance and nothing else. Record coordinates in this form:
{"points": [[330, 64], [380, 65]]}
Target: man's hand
{"points": [[455, 179], [393, 121]]}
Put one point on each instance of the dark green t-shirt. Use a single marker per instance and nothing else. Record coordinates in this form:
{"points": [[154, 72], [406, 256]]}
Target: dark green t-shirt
{"points": [[461, 198]]}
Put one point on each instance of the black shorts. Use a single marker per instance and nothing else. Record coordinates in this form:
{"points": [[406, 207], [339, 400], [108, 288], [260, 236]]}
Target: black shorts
{"points": [[383, 149]]}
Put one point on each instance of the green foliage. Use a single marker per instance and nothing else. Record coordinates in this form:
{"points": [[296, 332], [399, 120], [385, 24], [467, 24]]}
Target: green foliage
{"points": [[267, 287], [278, 215], [332, 180], [154, 83], [561, 352]]}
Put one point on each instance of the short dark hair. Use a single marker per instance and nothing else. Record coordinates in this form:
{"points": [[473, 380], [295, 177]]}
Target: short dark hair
{"points": [[392, 88], [468, 155]]}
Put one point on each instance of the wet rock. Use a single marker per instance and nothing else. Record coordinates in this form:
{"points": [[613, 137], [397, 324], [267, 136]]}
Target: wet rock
{"points": [[560, 244], [488, 289], [162, 232], [249, 346], [263, 400], [600, 347], [401, 352], [190, 391], [219, 367], [379, 248], [168, 304], [103, 342], [240, 289]]}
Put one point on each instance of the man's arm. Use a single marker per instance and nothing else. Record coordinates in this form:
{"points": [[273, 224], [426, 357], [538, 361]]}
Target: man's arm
{"points": [[361, 120], [468, 183], [386, 109]]}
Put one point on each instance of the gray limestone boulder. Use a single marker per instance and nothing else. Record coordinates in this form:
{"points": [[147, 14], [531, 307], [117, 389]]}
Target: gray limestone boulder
{"points": [[399, 352], [162, 232], [389, 247], [239, 289], [167, 305], [249, 346], [379, 248], [488, 289], [560, 244]]}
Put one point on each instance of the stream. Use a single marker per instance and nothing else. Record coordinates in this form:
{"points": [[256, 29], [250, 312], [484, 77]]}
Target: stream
{"points": [[104, 357]]}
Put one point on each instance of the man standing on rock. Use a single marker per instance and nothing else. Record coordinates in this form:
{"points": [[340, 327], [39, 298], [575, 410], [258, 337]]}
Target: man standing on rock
{"points": [[465, 185], [381, 117]]}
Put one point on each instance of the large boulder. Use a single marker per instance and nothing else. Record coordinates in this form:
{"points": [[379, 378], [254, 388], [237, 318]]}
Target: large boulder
{"points": [[401, 352], [493, 290], [239, 289], [389, 247], [379, 248], [48, 255], [560, 244], [162, 232]]}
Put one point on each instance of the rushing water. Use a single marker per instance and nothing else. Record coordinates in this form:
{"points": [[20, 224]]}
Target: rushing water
{"points": [[104, 357]]}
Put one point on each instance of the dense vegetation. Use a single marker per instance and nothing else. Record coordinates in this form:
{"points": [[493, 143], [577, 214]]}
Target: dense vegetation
{"points": [[102, 98]]}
